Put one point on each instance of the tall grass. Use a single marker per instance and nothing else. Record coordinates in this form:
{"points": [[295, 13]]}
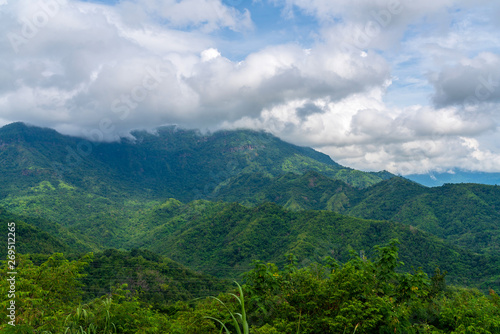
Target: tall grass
{"points": [[240, 329], [82, 321]]}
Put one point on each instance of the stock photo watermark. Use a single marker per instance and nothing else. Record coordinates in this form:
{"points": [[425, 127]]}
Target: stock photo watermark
{"points": [[11, 273], [128, 102], [29, 27], [381, 19], [484, 90]]}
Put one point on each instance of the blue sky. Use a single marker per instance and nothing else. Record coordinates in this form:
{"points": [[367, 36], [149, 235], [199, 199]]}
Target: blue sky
{"points": [[270, 27], [409, 87]]}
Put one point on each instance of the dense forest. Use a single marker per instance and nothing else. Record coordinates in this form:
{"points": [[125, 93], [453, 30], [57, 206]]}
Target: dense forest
{"points": [[235, 232], [362, 295]]}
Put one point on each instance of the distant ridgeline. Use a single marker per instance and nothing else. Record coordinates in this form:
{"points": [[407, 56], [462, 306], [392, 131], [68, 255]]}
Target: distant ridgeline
{"points": [[455, 176]]}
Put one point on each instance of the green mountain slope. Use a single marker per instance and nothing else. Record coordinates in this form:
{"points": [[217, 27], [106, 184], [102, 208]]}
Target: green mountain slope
{"points": [[310, 190], [102, 195], [31, 155], [187, 164], [467, 215], [157, 279], [222, 239], [170, 163], [99, 191], [35, 235], [96, 220]]}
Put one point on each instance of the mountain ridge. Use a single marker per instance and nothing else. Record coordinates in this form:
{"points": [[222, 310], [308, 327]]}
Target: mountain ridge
{"points": [[170, 155], [465, 214], [118, 181], [223, 238]]}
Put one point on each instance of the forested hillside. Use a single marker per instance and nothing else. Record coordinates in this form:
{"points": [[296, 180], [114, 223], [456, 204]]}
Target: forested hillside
{"points": [[37, 235], [100, 191], [363, 295], [223, 239], [467, 215], [172, 162]]}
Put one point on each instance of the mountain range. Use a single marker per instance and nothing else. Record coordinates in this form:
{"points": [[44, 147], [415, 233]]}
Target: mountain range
{"points": [[217, 201]]}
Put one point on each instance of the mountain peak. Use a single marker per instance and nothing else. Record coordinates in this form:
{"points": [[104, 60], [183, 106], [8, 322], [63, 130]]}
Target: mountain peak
{"points": [[27, 132], [173, 162]]}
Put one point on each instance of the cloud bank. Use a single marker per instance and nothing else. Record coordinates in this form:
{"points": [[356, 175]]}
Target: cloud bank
{"points": [[387, 84]]}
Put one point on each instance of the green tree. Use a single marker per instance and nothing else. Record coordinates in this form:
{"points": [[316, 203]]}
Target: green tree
{"points": [[43, 293]]}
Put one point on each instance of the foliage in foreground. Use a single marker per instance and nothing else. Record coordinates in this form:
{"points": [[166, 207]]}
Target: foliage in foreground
{"points": [[360, 296], [364, 296]]}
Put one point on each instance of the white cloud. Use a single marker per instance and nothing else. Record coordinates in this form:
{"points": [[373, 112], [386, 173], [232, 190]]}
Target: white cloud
{"points": [[206, 15], [76, 66], [361, 132], [209, 54], [87, 62]]}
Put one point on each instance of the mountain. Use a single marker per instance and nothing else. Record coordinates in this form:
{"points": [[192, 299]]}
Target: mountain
{"points": [[455, 176], [175, 162], [184, 164], [310, 190], [40, 236], [222, 239], [467, 215], [114, 195], [99, 191], [158, 279]]}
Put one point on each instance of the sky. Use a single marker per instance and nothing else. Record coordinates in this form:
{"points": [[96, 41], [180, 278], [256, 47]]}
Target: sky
{"points": [[398, 85]]}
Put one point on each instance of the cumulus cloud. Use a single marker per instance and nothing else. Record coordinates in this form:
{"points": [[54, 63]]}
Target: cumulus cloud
{"points": [[100, 71], [87, 63], [471, 81], [360, 130]]}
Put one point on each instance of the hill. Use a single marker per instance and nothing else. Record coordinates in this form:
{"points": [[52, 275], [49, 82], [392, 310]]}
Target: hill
{"points": [[146, 204], [171, 162], [112, 195], [308, 191], [222, 239], [40, 236], [158, 280], [467, 215], [99, 191]]}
